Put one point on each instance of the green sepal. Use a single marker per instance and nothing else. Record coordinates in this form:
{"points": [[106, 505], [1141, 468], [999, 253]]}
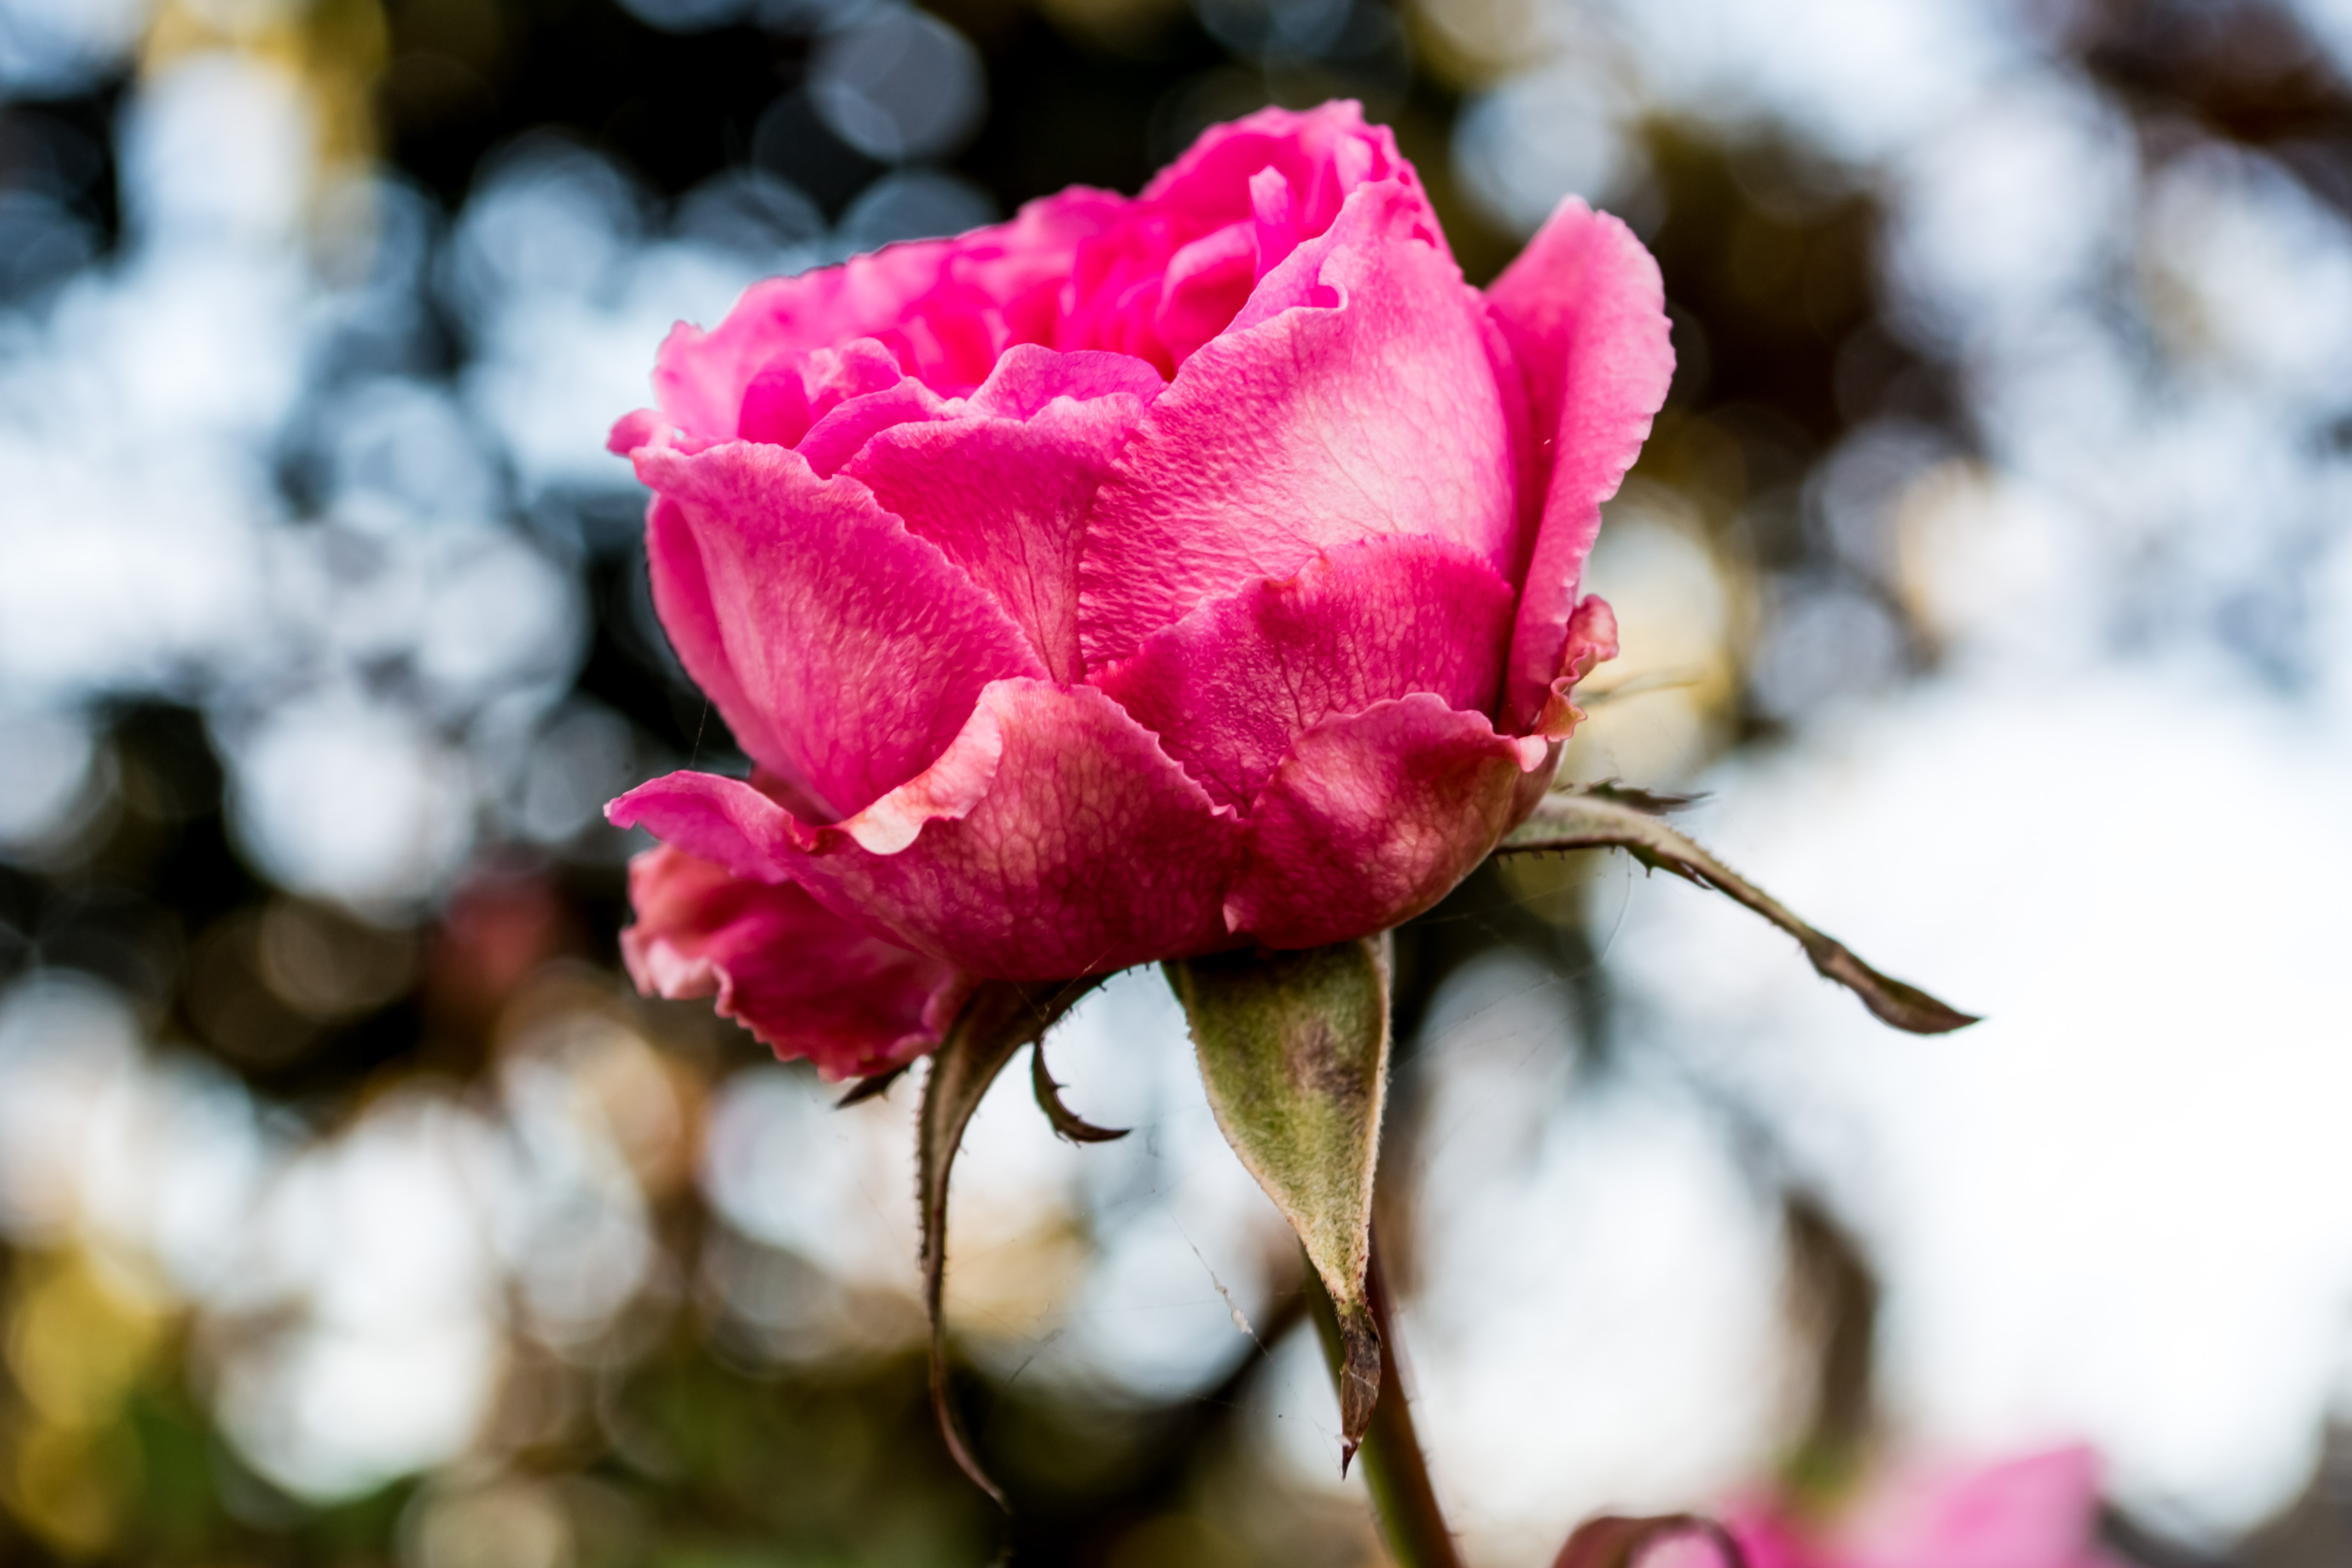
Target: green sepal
{"points": [[1294, 1051]]}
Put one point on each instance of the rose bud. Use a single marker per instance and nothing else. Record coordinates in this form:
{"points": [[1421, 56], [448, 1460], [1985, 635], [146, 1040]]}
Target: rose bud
{"points": [[1133, 580]]}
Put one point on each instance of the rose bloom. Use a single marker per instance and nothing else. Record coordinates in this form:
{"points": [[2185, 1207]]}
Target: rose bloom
{"points": [[2038, 1511], [1133, 580]]}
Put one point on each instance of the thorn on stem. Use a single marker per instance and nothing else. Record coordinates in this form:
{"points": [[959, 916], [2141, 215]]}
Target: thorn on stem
{"points": [[1066, 1123]]}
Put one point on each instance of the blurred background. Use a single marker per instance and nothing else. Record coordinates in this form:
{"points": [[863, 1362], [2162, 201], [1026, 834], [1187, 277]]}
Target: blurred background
{"points": [[1989, 572]]}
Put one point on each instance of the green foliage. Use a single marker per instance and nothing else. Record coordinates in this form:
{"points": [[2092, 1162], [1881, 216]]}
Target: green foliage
{"points": [[1294, 1051]]}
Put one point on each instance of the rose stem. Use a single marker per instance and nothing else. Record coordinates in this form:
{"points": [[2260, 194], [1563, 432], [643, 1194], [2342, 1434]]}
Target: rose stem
{"points": [[1395, 1467]]}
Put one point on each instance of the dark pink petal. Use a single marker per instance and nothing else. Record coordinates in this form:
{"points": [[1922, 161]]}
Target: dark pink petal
{"points": [[750, 826], [775, 406], [1768, 1538], [725, 821], [1006, 497], [1353, 398], [1053, 839], [1091, 851], [844, 652], [794, 389], [787, 968], [1174, 269], [683, 600], [1232, 685], [1206, 283], [842, 431], [1583, 311], [1372, 818], [1318, 156], [948, 307], [1028, 379]]}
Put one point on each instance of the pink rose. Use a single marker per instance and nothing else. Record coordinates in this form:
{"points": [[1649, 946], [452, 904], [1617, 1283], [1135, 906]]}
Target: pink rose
{"points": [[1132, 580], [2040, 1511]]}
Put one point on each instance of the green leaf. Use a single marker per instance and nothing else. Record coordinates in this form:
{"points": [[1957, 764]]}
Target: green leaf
{"points": [[1294, 1049], [1000, 1018], [1614, 1541], [1605, 816], [1066, 1123]]}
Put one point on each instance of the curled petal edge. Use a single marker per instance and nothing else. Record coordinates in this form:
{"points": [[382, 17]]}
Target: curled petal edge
{"points": [[731, 821], [1066, 842], [1409, 788], [1583, 312], [805, 982], [1592, 641]]}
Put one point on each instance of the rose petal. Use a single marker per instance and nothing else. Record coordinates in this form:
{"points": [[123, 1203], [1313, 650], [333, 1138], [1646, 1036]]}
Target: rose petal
{"points": [[1028, 379], [1592, 641], [1006, 497], [725, 821], [1321, 155], [800, 979], [1173, 269], [844, 652], [1352, 398], [943, 304], [1583, 310], [1086, 849], [1372, 818], [1230, 686], [794, 389], [844, 430], [683, 601], [1205, 283]]}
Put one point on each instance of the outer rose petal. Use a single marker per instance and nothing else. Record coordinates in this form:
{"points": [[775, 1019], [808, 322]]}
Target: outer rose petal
{"points": [[1372, 818], [1062, 842], [844, 652], [948, 307], [1232, 685], [1006, 496], [783, 965], [1352, 397], [1583, 310]]}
